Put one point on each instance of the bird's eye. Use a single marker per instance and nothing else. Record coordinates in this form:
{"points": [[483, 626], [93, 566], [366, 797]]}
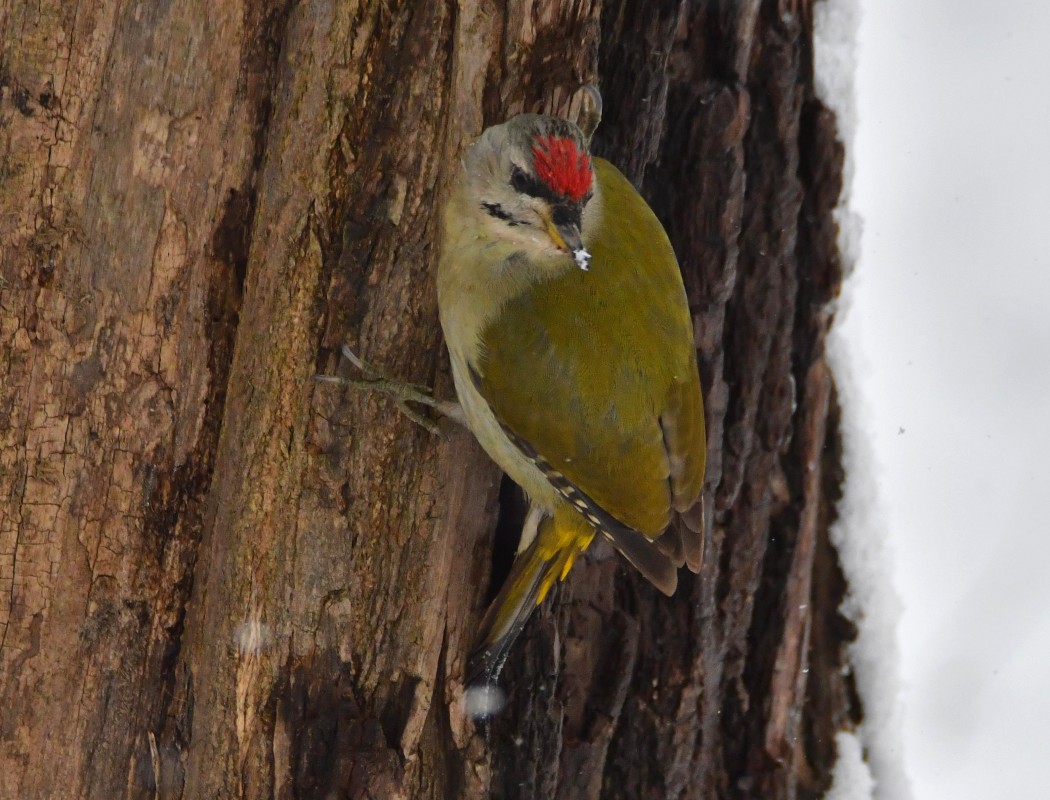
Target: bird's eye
{"points": [[519, 181]]}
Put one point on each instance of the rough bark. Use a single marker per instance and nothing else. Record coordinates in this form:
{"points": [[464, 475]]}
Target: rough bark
{"points": [[221, 579]]}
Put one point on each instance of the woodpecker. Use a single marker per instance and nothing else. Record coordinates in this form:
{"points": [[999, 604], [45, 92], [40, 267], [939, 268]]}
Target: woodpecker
{"points": [[572, 353]]}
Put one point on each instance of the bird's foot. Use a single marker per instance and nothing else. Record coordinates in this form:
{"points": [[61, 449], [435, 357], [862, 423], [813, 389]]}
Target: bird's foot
{"points": [[400, 392]]}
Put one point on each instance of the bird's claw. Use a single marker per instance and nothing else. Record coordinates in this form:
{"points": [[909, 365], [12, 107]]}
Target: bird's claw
{"points": [[402, 393]]}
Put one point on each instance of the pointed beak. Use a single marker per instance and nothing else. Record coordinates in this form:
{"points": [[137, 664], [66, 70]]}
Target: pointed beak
{"points": [[564, 230], [566, 236]]}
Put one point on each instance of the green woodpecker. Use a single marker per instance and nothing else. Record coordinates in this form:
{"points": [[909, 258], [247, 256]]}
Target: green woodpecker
{"points": [[572, 353]]}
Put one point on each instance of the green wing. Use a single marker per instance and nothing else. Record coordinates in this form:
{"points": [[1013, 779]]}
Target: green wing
{"points": [[619, 335]]}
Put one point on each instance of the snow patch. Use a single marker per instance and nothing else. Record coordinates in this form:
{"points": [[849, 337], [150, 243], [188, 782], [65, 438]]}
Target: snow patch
{"points": [[871, 761], [861, 537], [835, 24], [484, 700], [851, 779]]}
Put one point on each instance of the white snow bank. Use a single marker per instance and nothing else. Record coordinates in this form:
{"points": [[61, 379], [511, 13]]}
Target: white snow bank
{"points": [[870, 763], [852, 780]]}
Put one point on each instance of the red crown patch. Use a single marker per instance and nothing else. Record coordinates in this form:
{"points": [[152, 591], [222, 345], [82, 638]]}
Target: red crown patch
{"points": [[561, 165]]}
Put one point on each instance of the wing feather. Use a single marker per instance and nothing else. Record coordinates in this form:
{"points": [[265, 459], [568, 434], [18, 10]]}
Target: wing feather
{"points": [[592, 376]]}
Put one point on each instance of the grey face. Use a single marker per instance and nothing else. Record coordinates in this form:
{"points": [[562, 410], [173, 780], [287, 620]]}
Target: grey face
{"points": [[533, 179]]}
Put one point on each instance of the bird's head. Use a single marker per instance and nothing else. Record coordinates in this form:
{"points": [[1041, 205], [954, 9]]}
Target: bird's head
{"points": [[531, 183]]}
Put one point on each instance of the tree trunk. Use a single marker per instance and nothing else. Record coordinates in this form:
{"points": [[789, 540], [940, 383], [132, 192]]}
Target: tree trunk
{"points": [[222, 579]]}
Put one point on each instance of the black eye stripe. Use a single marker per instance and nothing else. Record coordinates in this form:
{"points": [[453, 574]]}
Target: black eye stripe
{"points": [[523, 182]]}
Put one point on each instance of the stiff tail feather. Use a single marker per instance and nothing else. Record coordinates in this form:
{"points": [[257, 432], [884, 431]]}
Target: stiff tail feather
{"points": [[527, 584]]}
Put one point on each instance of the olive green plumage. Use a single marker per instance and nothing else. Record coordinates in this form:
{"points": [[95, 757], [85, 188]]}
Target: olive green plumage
{"points": [[588, 386], [580, 383]]}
